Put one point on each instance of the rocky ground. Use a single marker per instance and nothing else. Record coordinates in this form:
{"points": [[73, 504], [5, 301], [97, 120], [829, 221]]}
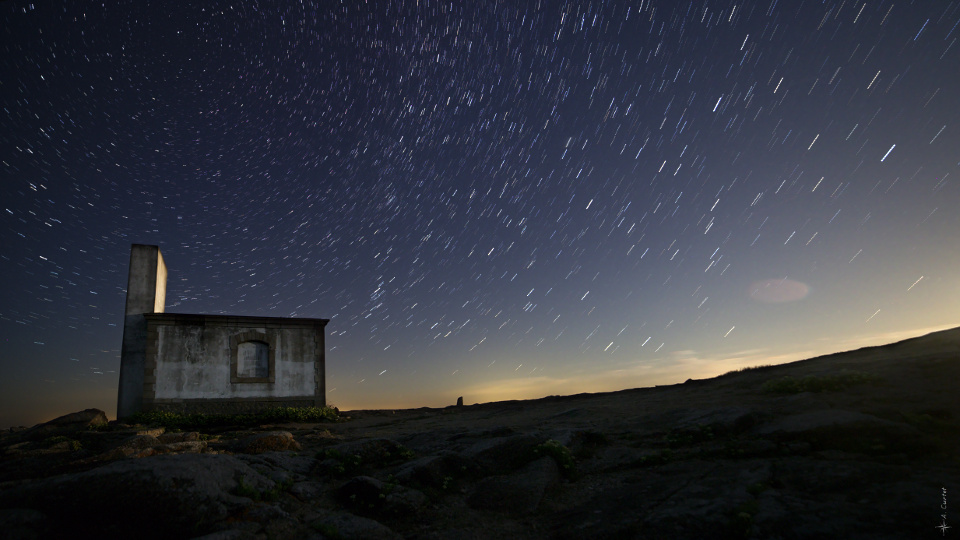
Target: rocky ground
{"points": [[854, 445]]}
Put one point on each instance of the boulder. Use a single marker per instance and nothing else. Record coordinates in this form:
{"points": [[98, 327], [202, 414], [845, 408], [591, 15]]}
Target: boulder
{"points": [[308, 491], [184, 447], [82, 419], [367, 495], [401, 501], [232, 534], [174, 494], [139, 442], [369, 451], [518, 493], [63, 425], [344, 525], [809, 421], [362, 493], [23, 524], [141, 446], [169, 438], [504, 454], [436, 471], [295, 465], [266, 442]]}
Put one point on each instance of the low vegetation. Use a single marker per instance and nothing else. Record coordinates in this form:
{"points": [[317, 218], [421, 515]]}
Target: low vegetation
{"points": [[269, 495], [745, 369], [818, 383], [560, 453], [64, 442], [377, 454], [172, 420]]}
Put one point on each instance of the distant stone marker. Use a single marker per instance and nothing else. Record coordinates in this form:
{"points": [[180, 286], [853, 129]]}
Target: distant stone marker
{"points": [[460, 401]]}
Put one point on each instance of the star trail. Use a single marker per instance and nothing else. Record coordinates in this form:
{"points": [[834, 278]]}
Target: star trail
{"points": [[495, 200]]}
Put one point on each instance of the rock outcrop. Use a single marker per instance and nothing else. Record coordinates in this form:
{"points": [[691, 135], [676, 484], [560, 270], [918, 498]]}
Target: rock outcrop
{"points": [[161, 497], [737, 456]]}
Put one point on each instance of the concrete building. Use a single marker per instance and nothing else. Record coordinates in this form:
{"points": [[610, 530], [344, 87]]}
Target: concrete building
{"points": [[211, 363]]}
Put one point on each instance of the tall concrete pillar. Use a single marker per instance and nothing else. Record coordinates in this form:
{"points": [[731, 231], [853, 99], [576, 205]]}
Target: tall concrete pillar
{"points": [[146, 293]]}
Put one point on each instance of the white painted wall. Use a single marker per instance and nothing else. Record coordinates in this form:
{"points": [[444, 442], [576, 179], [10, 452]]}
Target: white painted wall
{"points": [[193, 362]]}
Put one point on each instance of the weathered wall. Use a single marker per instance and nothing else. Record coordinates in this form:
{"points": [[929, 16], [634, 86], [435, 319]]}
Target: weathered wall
{"points": [[191, 363], [146, 293]]}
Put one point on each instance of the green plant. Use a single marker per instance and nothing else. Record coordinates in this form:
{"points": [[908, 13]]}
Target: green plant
{"points": [[176, 421], [343, 463], [337, 462], [278, 488], [560, 453], [447, 483], [327, 530], [677, 438], [740, 519], [246, 490], [72, 444], [659, 458]]}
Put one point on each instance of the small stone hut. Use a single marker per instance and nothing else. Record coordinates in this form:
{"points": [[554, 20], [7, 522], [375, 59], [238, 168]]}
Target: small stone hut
{"points": [[211, 363]]}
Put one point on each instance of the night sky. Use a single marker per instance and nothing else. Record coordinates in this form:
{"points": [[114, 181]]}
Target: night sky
{"points": [[495, 200]]}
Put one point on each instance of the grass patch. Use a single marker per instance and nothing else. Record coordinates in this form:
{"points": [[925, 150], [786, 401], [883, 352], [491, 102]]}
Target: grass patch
{"points": [[327, 530], [677, 438], [177, 421], [740, 521], [341, 464], [660, 458], [372, 456], [246, 490], [818, 383], [745, 369]]}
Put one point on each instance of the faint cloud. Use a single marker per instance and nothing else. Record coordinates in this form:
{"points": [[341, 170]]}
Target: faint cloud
{"points": [[775, 291]]}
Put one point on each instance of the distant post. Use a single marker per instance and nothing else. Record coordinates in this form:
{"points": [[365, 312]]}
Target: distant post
{"points": [[146, 293]]}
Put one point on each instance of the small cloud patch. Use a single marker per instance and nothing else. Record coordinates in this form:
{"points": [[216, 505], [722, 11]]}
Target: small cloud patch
{"points": [[776, 291]]}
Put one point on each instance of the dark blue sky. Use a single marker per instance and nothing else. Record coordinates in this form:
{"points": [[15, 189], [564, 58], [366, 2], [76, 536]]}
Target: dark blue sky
{"points": [[496, 200]]}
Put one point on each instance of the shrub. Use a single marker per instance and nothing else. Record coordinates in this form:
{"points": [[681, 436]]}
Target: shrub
{"points": [[560, 453]]}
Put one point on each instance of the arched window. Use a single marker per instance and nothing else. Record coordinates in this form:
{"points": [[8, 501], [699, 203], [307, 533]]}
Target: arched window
{"points": [[253, 359]]}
